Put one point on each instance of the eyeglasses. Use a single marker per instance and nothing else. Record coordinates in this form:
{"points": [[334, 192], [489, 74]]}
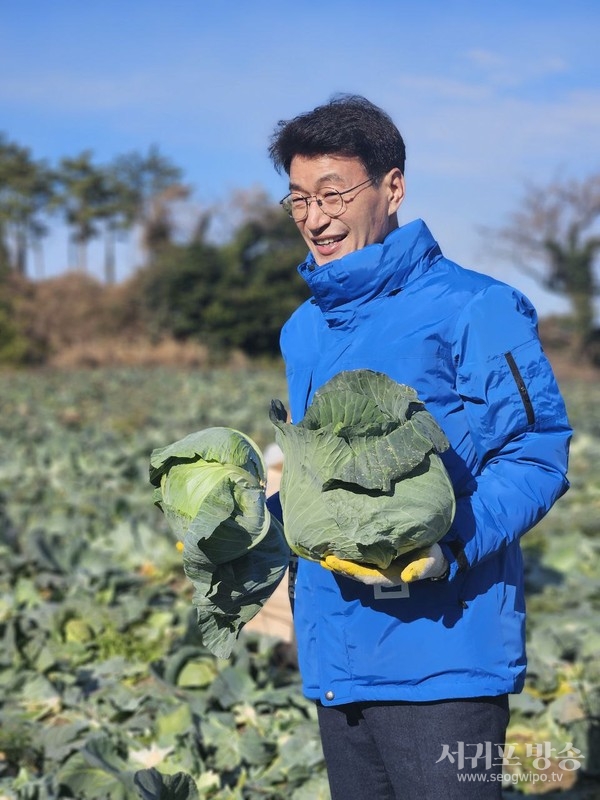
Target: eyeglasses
{"points": [[330, 201]]}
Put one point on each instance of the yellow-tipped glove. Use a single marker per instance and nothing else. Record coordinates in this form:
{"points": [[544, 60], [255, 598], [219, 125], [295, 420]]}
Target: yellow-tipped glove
{"points": [[428, 562], [374, 576]]}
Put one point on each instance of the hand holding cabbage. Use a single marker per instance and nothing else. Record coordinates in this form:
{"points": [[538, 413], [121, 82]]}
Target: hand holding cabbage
{"points": [[362, 481], [211, 487], [363, 492]]}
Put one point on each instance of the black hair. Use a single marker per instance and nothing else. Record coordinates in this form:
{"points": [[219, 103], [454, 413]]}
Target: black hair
{"points": [[348, 125]]}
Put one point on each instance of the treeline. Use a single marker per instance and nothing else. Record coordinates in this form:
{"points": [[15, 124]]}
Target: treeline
{"points": [[133, 190], [232, 295], [228, 293]]}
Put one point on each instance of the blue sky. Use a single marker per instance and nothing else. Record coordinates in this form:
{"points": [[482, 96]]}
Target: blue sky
{"points": [[488, 95]]}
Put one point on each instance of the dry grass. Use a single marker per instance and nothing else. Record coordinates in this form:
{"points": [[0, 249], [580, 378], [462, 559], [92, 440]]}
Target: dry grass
{"points": [[72, 308], [121, 352], [568, 367], [75, 321]]}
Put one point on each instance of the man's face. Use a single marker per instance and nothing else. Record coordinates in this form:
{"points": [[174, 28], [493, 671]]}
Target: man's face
{"points": [[369, 213]]}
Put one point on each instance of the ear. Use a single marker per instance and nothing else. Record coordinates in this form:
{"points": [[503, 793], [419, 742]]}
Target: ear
{"points": [[394, 182]]}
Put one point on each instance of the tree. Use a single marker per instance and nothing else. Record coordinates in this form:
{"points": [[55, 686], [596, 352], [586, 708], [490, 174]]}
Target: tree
{"points": [[236, 295], [83, 198], [556, 235], [178, 290], [115, 211], [26, 192], [151, 184], [158, 225], [264, 286]]}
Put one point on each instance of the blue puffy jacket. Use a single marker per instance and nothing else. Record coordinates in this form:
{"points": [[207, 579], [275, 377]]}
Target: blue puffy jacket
{"points": [[469, 346]]}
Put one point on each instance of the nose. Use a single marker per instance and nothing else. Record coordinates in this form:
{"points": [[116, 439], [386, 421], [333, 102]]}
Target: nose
{"points": [[316, 217]]}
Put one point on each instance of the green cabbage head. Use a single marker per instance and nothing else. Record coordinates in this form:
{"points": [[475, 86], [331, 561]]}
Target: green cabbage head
{"points": [[211, 487], [362, 479]]}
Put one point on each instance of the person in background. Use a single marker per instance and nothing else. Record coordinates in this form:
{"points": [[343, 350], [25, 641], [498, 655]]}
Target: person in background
{"points": [[412, 682], [274, 464]]}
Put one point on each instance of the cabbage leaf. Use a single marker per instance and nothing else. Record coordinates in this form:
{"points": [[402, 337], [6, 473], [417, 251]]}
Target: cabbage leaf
{"points": [[362, 478], [211, 487]]}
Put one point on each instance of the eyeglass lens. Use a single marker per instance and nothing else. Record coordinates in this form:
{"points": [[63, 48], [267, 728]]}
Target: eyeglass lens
{"points": [[330, 201]]}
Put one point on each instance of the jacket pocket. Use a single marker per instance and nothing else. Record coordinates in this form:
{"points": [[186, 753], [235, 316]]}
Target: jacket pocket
{"points": [[524, 394]]}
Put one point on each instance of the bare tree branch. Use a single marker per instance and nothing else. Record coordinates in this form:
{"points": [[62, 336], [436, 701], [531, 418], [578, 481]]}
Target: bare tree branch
{"points": [[553, 238]]}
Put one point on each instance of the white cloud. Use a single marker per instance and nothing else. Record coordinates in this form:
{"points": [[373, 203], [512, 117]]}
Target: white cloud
{"points": [[440, 88], [515, 69], [454, 132], [74, 92]]}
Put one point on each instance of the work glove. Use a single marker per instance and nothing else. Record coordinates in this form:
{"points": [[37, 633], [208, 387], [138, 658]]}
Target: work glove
{"points": [[427, 562]]}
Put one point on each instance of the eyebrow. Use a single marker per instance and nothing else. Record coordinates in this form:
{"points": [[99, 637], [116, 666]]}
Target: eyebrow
{"points": [[325, 180]]}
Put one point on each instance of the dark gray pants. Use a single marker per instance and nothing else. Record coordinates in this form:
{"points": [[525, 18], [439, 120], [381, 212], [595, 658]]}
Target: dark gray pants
{"points": [[449, 750]]}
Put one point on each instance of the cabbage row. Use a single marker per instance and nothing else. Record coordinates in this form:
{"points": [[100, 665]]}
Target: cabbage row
{"points": [[105, 689], [101, 672]]}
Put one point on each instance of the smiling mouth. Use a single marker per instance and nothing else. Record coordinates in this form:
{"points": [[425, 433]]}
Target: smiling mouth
{"points": [[329, 241]]}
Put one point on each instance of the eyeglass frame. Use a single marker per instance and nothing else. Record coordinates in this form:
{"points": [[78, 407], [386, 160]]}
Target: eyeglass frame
{"points": [[318, 199]]}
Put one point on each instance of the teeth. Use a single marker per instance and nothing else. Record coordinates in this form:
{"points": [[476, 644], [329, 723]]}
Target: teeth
{"points": [[322, 242]]}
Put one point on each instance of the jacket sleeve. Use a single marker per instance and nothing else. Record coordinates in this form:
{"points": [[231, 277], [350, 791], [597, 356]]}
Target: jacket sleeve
{"points": [[517, 422]]}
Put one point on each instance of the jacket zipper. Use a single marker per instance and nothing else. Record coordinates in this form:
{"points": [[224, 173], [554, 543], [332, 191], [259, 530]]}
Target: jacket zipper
{"points": [[512, 365]]}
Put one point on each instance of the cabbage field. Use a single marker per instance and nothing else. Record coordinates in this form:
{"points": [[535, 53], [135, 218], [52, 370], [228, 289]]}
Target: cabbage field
{"points": [[105, 689]]}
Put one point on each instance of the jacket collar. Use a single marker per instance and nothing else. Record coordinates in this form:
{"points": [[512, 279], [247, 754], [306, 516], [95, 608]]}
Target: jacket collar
{"points": [[341, 287]]}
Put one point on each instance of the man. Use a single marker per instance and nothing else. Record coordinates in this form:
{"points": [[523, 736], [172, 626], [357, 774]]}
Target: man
{"points": [[412, 682]]}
